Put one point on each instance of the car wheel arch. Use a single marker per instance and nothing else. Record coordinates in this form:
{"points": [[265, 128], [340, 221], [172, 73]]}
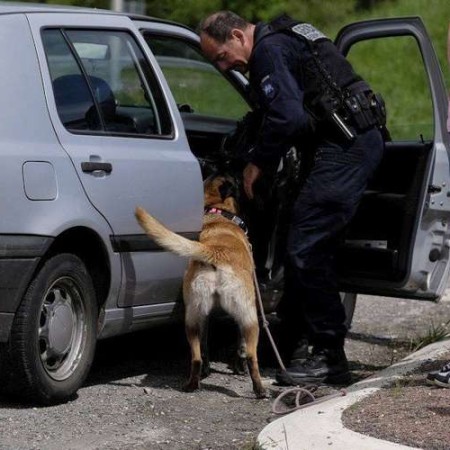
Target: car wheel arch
{"points": [[91, 249]]}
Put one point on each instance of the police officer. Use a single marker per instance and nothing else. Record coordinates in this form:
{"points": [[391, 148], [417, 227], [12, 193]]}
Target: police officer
{"points": [[308, 93]]}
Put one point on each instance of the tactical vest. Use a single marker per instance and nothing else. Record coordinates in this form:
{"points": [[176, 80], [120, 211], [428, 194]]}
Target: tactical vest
{"points": [[333, 91]]}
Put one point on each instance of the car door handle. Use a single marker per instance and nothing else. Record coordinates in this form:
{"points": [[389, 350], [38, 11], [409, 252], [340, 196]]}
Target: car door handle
{"points": [[93, 166]]}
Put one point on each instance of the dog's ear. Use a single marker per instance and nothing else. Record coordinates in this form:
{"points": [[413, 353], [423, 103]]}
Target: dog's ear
{"points": [[227, 189]]}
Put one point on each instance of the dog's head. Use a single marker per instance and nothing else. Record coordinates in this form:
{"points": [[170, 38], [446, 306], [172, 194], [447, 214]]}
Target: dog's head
{"points": [[221, 191]]}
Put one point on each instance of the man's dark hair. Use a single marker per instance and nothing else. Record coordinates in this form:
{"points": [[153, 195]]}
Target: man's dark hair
{"points": [[219, 25]]}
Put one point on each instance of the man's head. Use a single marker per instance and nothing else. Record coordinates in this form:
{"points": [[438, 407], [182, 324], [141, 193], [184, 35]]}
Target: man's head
{"points": [[227, 40]]}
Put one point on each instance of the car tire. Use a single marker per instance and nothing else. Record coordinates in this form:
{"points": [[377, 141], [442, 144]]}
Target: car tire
{"points": [[53, 337]]}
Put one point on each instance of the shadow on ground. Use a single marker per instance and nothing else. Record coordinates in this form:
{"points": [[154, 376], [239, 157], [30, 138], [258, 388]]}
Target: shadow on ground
{"points": [[162, 354]]}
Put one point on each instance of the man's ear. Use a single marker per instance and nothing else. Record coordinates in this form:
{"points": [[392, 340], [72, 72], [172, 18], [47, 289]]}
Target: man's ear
{"points": [[238, 34]]}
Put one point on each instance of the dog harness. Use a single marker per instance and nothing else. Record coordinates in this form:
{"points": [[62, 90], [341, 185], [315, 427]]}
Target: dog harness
{"points": [[228, 215]]}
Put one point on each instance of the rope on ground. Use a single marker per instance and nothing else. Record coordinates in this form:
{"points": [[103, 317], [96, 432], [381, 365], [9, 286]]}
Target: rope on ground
{"points": [[303, 395], [303, 398]]}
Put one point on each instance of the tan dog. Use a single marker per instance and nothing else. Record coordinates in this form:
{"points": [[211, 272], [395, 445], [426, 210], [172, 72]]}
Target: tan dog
{"points": [[220, 273]]}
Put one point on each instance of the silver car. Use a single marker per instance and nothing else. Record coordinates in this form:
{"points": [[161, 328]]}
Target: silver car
{"points": [[103, 112]]}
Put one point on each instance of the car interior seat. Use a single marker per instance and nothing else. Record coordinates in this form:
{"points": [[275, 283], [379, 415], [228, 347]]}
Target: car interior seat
{"points": [[77, 109]]}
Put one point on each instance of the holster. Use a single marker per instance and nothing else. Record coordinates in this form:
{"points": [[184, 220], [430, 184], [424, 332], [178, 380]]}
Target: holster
{"points": [[362, 108]]}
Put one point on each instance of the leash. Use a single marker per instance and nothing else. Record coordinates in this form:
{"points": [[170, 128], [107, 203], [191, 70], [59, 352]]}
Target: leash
{"points": [[303, 395]]}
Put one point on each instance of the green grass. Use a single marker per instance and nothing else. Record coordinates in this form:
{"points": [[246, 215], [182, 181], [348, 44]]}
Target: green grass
{"points": [[434, 333], [405, 89], [206, 92], [434, 13]]}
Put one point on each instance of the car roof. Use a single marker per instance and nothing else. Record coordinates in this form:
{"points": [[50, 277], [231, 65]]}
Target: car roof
{"points": [[7, 7], [137, 17], [18, 7]]}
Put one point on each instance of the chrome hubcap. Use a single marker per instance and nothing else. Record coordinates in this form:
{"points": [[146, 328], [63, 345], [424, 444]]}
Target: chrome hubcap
{"points": [[61, 328], [61, 331]]}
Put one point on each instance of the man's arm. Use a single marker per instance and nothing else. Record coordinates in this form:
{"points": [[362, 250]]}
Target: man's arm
{"points": [[281, 97]]}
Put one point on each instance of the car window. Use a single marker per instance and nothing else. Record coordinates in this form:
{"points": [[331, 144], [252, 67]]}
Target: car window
{"points": [[406, 90], [195, 83], [103, 83]]}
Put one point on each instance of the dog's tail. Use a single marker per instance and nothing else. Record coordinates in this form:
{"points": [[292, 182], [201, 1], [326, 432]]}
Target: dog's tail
{"points": [[172, 241]]}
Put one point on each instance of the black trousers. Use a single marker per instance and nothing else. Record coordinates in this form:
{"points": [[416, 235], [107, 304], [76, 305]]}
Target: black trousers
{"points": [[311, 306]]}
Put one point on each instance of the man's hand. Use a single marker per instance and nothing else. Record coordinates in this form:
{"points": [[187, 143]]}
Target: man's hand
{"points": [[250, 175]]}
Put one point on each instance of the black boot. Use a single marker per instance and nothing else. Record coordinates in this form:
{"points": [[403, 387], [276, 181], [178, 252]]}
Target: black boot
{"points": [[327, 365], [293, 351], [300, 353], [291, 341]]}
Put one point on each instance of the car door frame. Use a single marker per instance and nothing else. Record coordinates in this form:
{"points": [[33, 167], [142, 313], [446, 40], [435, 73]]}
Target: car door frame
{"points": [[425, 279]]}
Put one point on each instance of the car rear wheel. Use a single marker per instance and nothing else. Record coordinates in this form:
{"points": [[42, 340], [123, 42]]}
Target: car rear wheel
{"points": [[53, 337]]}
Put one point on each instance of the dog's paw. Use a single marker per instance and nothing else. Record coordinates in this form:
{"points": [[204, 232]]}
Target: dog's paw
{"points": [[191, 386], [206, 370], [260, 393], [240, 367]]}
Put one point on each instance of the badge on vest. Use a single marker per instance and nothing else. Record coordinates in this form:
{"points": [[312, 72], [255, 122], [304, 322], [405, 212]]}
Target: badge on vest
{"points": [[267, 87], [308, 32]]}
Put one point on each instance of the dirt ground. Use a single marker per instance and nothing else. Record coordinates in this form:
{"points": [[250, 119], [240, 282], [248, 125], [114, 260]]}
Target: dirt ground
{"points": [[133, 400], [410, 412]]}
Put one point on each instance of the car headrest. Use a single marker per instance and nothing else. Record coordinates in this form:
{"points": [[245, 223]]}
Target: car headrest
{"points": [[73, 98]]}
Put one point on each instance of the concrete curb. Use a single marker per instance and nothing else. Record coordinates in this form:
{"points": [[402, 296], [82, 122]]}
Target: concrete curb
{"points": [[320, 426]]}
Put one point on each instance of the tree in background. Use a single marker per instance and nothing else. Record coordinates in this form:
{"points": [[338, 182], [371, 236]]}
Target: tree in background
{"points": [[322, 14], [319, 12], [190, 12], [105, 4]]}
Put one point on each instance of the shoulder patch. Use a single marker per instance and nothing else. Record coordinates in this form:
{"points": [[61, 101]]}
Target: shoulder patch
{"points": [[308, 32], [268, 87]]}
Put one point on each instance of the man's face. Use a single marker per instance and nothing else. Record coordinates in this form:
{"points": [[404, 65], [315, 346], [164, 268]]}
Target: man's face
{"points": [[233, 54]]}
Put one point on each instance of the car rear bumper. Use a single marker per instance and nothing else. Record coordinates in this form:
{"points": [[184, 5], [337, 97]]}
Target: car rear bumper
{"points": [[19, 257]]}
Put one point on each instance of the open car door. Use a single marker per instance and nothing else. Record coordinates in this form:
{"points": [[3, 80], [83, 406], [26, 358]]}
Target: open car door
{"points": [[398, 242]]}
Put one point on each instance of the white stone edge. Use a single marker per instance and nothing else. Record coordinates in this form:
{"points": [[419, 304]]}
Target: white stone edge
{"points": [[320, 426]]}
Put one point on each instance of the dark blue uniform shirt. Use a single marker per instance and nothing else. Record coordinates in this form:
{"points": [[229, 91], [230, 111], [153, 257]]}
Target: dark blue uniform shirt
{"points": [[275, 68]]}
